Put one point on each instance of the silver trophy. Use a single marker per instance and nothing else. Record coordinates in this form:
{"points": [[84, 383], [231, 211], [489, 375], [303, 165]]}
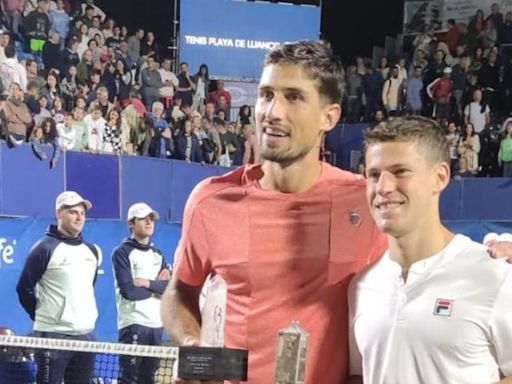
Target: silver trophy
{"points": [[292, 346], [213, 313]]}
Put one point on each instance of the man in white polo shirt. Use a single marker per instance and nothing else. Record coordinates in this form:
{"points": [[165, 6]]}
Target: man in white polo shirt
{"points": [[435, 308]]}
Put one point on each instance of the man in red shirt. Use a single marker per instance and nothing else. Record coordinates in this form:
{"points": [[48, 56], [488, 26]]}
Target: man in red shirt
{"points": [[440, 90], [286, 235]]}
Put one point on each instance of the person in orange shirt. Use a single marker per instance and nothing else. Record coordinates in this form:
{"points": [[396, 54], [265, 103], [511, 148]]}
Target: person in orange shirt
{"points": [[286, 235]]}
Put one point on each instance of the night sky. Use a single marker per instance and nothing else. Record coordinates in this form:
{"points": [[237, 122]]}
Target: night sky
{"points": [[352, 26]]}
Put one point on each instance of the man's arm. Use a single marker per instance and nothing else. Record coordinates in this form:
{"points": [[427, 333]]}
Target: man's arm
{"points": [[34, 268], [124, 278]]}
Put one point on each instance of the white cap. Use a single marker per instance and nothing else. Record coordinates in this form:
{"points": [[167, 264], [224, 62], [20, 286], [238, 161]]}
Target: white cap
{"points": [[140, 211], [70, 199]]}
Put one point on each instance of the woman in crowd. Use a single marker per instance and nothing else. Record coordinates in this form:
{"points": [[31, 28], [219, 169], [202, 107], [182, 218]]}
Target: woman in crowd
{"points": [[123, 81], [383, 67], [187, 145], [108, 28], [469, 147], [52, 89], [42, 135], [505, 152], [202, 81], [58, 111], [112, 135], [69, 87], [83, 40], [244, 116], [149, 47]]}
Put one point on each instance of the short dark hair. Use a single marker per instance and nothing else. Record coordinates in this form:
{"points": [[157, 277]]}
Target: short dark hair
{"points": [[89, 8], [423, 131], [318, 61], [218, 121]]}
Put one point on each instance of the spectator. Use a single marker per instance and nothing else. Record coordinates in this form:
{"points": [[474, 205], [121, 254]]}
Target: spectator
{"points": [[476, 24], [46, 134], [505, 152], [414, 89], [94, 31], [161, 134], [52, 89], [452, 35], [141, 133], [391, 93], [251, 147], [81, 129], [383, 67], [122, 53], [69, 56], [372, 85], [58, 111], [151, 82], [229, 143], [354, 94], [453, 137], [37, 27], [209, 111], [212, 148], [96, 52], [112, 135], [202, 82], [478, 59], [149, 47], [85, 67], [507, 85], [83, 40], [123, 81], [489, 35], [221, 91], [460, 82], [505, 32], [11, 71], [469, 147], [425, 39], [440, 91], [189, 112], [462, 169], [67, 136], [43, 111], [134, 43], [114, 40], [59, 21], [169, 79], [97, 10], [222, 108], [471, 87], [496, 17], [141, 276], [69, 87], [102, 102], [95, 127], [419, 60], [11, 9], [435, 68], [5, 40], [186, 86], [108, 28], [33, 75], [244, 116], [477, 113], [489, 81], [88, 16], [31, 98], [17, 117], [51, 53], [64, 285], [187, 145], [93, 85]]}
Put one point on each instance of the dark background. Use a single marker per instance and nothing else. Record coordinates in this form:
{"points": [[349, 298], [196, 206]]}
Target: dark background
{"points": [[352, 26]]}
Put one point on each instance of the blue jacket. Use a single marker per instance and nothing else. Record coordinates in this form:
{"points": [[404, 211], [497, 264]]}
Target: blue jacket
{"points": [[413, 96], [196, 155]]}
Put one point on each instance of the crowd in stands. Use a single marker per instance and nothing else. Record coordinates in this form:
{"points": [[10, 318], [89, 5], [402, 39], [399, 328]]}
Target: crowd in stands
{"points": [[460, 75], [74, 79]]}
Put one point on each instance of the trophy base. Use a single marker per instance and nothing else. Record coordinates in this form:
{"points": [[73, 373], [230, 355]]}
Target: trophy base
{"points": [[206, 363]]}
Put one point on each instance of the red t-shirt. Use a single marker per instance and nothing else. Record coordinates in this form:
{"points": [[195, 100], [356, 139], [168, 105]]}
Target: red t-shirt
{"points": [[284, 257]]}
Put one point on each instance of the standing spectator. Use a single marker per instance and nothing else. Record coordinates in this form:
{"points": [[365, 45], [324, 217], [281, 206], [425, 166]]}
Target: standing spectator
{"points": [[453, 137], [391, 93], [489, 81], [186, 86], [17, 117], [354, 94], [67, 136], [251, 147], [141, 276], [202, 81], [452, 35], [69, 87], [12, 11], [46, 134], [244, 116], [33, 75], [151, 82], [414, 103], [435, 68], [95, 127], [161, 134], [97, 10], [496, 17], [477, 113], [383, 67], [51, 53], [85, 67], [37, 27], [469, 147], [81, 129], [187, 144], [505, 32], [476, 24], [65, 286], [112, 141], [460, 82], [134, 43], [69, 56], [505, 152], [507, 85], [123, 80], [440, 91], [11, 71], [488, 36], [372, 85], [149, 47], [59, 21], [114, 40], [222, 108], [221, 91], [169, 79], [229, 143]]}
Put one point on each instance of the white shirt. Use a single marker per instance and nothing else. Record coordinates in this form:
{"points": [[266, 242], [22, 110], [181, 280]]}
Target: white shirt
{"points": [[166, 76], [475, 116], [449, 323], [67, 136], [95, 129]]}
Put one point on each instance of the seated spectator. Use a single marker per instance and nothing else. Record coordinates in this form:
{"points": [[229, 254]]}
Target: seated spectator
{"points": [[44, 112], [11, 71], [209, 111], [469, 147], [221, 114], [52, 88], [16, 116], [37, 26], [229, 143], [88, 15], [123, 81], [122, 54], [58, 112], [222, 106], [102, 102], [505, 152], [189, 112], [187, 145], [112, 142], [81, 129], [81, 102], [33, 75], [215, 98], [141, 134], [42, 135], [59, 22], [452, 35], [114, 40], [161, 134], [95, 127], [176, 112], [51, 53], [478, 59], [151, 82], [67, 136], [69, 87], [202, 81], [93, 85], [96, 51], [462, 169], [212, 146]]}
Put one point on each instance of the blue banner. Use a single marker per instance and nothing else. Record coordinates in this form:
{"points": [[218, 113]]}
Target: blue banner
{"points": [[232, 36]]}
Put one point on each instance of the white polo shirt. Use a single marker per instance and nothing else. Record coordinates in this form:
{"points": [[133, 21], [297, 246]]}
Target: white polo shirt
{"points": [[451, 322]]}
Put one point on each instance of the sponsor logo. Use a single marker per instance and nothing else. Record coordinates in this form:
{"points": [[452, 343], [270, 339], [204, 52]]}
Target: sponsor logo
{"points": [[7, 250], [443, 307]]}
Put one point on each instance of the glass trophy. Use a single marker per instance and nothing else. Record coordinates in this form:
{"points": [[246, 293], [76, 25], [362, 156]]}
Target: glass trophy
{"points": [[292, 346], [214, 313]]}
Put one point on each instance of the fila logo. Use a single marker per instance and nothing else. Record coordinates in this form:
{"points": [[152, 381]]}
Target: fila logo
{"points": [[443, 307]]}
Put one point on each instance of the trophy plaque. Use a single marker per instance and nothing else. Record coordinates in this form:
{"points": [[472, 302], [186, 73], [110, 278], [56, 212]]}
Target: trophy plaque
{"points": [[292, 345]]}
